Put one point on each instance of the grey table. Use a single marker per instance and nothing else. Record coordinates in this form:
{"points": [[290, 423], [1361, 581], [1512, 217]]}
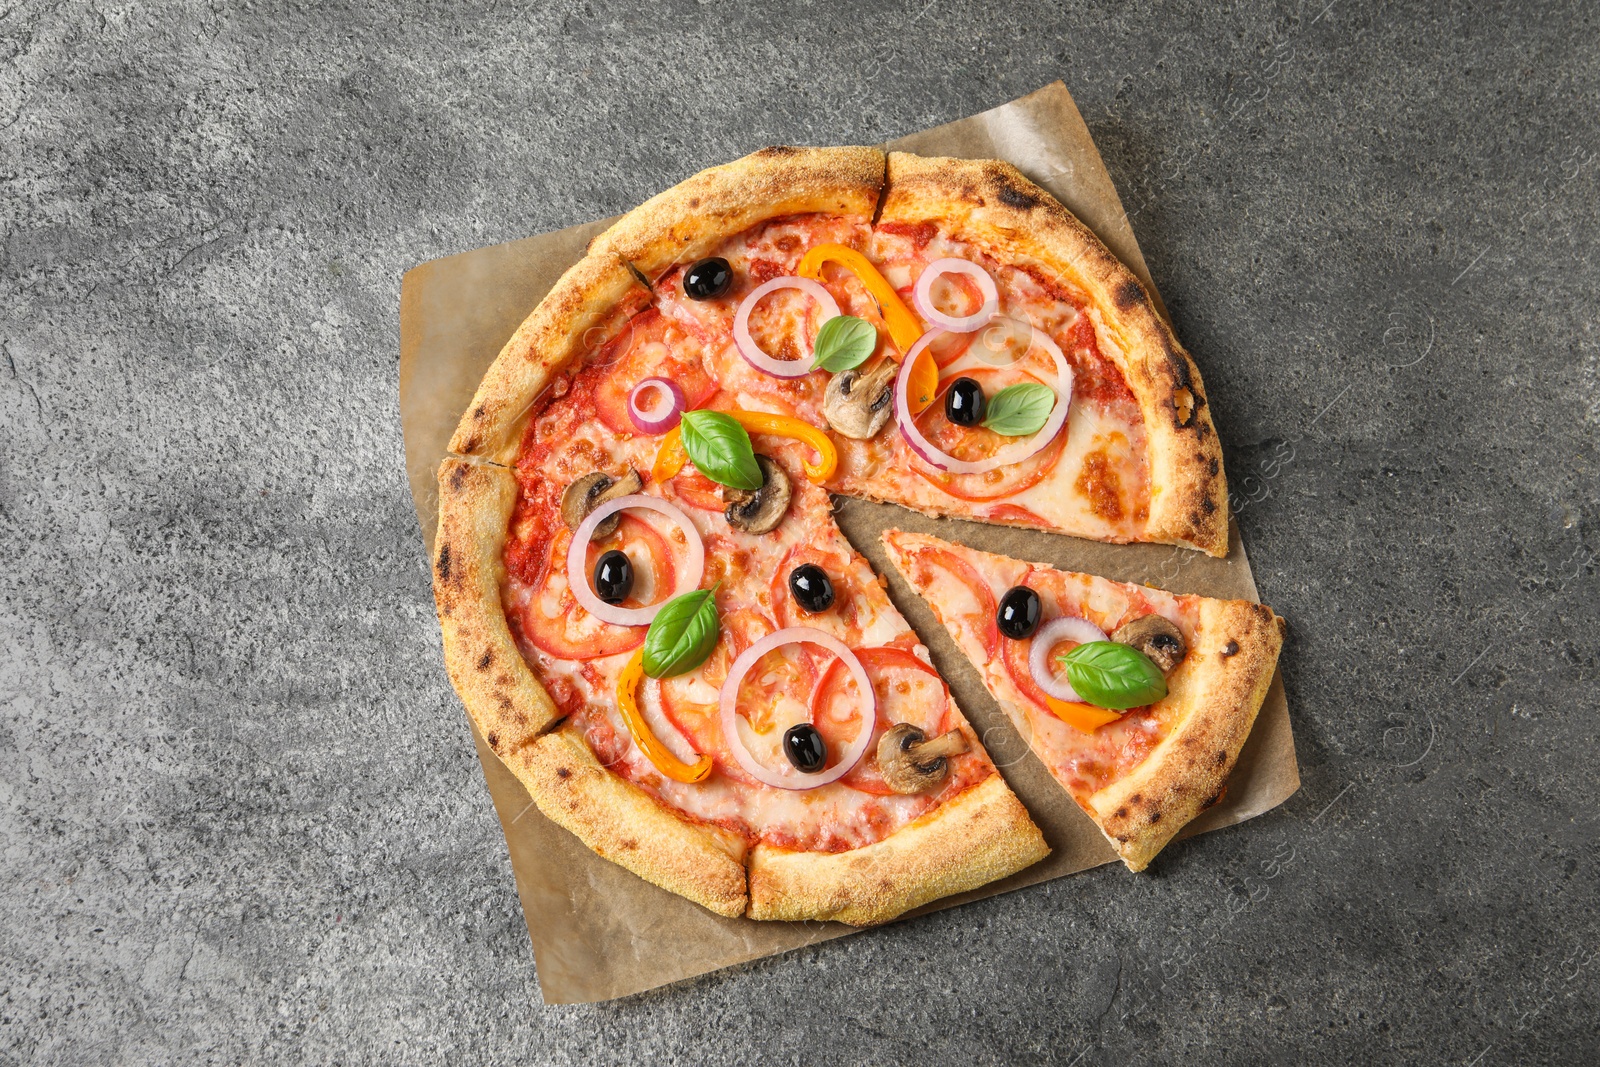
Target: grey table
{"points": [[242, 819]]}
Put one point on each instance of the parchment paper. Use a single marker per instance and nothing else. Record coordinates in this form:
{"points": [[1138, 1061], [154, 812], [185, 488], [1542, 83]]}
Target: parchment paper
{"points": [[599, 932]]}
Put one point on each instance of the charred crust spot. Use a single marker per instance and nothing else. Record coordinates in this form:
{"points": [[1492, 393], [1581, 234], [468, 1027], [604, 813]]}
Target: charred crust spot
{"points": [[494, 740], [778, 151], [458, 476], [1222, 757], [629, 845], [1137, 798], [1230, 649], [504, 701], [1120, 813], [1214, 467], [1014, 196], [1155, 817], [1128, 295], [479, 411], [694, 201], [563, 773], [1215, 800], [1208, 505], [442, 567], [485, 660]]}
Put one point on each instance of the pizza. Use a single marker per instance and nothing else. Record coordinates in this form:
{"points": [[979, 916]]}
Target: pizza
{"points": [[646, 606], [1141, 762]]}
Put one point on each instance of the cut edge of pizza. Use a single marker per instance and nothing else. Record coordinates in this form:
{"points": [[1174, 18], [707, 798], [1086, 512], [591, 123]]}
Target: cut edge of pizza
{"points": [[1142, 774]]}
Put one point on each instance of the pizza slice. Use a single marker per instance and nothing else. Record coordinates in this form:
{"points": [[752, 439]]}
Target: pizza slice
{"points": [[1137, 700]]}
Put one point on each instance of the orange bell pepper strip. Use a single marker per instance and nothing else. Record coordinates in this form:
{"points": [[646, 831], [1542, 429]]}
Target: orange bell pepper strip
{"points": [[1085, 717], [671, 457], [903, 325], [644, 737]]}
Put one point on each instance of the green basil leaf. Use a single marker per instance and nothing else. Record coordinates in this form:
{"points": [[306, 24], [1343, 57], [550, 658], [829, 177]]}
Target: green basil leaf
{"points": [[1109, 675], [682, 634], [720, 449], [844, 342], [1021, 409]]}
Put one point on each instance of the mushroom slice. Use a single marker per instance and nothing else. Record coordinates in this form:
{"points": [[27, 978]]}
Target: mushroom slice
{"points": [[858, 405], [758, 510], [592, 490], [1156, 637], [910, 763]]}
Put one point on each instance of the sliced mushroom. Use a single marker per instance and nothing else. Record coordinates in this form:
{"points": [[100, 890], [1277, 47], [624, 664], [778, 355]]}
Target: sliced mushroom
{"points": [[758, 510], [592, 490], [858, 404], [1157, 638], [910, 763]]}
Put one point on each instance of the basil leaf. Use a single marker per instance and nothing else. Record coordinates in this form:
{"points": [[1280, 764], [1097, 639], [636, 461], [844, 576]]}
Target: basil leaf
{"points": [[720, 449], [1021, 409], [682, 634], [844, 342], [1110, 675]]}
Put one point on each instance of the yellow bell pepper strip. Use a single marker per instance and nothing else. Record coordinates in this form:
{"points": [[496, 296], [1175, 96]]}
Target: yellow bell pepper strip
{"points": [[648, 742], [671, 457], [903, 325], [1085, 717]]}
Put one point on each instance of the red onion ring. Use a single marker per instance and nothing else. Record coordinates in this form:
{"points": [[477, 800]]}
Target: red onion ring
{"points": [[778, 368], [922, 295], [1016, 454], [577, 563], [1066, 628], [794, 779], [664, 414]]}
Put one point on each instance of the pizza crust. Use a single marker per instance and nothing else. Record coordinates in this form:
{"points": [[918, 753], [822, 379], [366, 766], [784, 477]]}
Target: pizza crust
{"points": [[970, 840], [991, 204], [588, 306], [685, 222], [1186, 772]]}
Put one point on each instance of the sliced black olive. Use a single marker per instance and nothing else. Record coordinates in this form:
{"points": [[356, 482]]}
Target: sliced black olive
{"points": [[964, 404], [811, 587], [805, 748], [613, 577], [1019, 613], [707, 279]]}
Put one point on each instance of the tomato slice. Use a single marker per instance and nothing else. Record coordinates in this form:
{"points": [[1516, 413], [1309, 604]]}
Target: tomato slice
{"points": [[975, 443], [654, 576], [696, 490], [554, 621], [653, 348], [692, 701], [908, 690], [852, 612], [964, 594]]}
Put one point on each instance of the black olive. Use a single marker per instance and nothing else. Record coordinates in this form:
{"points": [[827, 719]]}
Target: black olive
{"points": [[963, 404], [805, 748], [613, 577], [707, 279], [811, 588], [1018, 616]]}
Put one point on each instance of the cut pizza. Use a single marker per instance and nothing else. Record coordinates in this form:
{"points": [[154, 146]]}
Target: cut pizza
{"points": [[647, 608], [1137, 700]]}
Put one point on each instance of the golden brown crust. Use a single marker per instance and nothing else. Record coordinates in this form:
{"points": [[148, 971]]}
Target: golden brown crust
{"points": [[629, 827], [588, 306], [1222, 691], [991, 204], [975, 838], [486, 667], [683, 223]]}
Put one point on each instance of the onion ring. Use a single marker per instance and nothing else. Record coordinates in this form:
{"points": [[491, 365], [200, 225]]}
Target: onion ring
{"points": [[730, 709], [1066, 628], [1017, 453], [922, 295], [664, 414], [778, 368], [577, 564]]}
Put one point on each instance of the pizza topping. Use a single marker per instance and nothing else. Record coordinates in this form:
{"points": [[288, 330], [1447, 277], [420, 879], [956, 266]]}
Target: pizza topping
{"points": [[1020, 409], [656, 405], [811, 588], [707, 279], [1082, 717], [1024, 450], [672, 456], [682, 634], [804, 746], [592, 490], [1066, 628], [613, 577], [731, 725], [923, 296], [720, 448], [578, 581], [1110, 675], [857, 404], [761, 509], [963, 402], [752, 353], [656, 752], [911, 763], [843, 342], [1019, 613], [903, 327], [1156, 637]]}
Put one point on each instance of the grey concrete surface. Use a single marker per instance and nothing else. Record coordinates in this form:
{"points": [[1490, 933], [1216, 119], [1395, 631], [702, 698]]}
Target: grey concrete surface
{"points": [[242, 819]]}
